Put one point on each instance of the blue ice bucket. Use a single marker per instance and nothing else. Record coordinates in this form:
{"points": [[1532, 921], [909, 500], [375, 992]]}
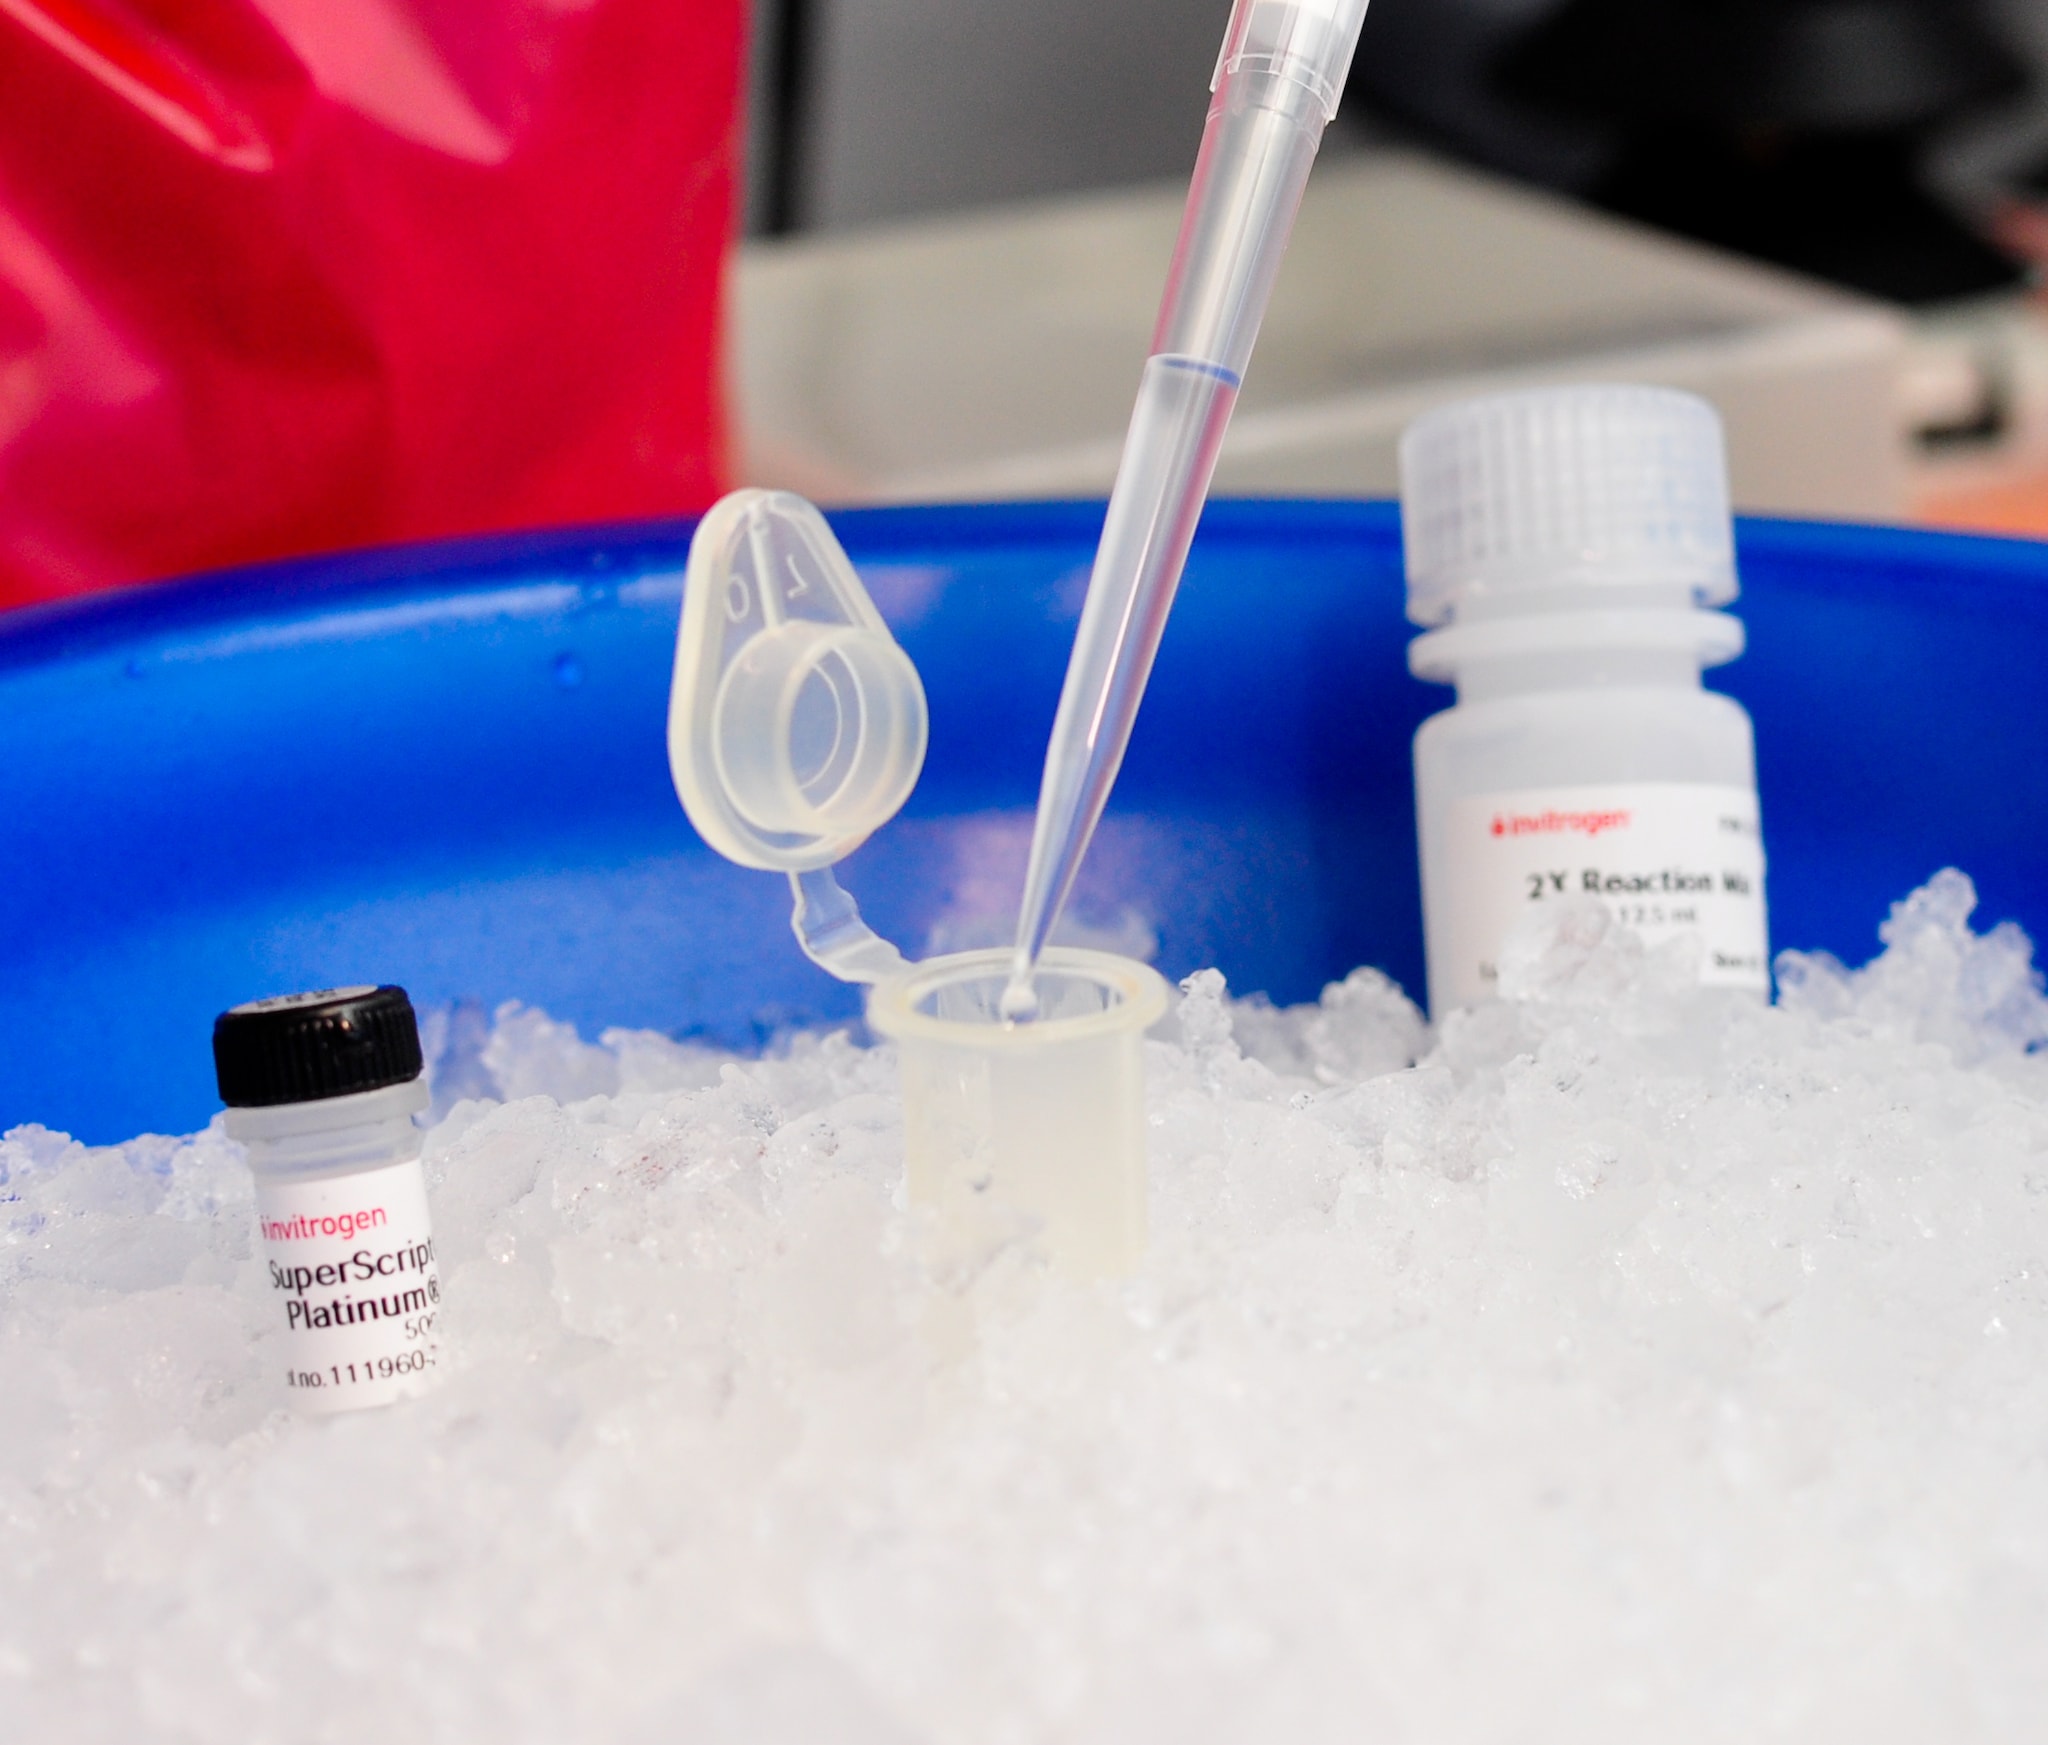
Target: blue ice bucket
{"points": [[444, 766]]}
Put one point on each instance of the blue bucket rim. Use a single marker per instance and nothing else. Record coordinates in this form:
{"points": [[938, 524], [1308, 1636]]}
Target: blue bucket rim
{"points": [[610, 551]]}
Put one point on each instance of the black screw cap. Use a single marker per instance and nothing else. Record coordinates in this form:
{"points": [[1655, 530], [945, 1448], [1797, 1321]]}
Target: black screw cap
{"points": [[298, 1048]]}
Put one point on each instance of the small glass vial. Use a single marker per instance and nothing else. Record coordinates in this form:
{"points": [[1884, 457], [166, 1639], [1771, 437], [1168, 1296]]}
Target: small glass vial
{"points": [[1564, 544], [322, 1089]]}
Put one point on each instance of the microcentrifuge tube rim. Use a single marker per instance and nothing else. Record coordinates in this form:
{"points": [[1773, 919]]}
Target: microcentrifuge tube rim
{"points": [[893, 1004]]}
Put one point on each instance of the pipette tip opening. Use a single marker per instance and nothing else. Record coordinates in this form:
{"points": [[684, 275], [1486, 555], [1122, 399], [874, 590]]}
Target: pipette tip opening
{"points": [[1019, 1003]]}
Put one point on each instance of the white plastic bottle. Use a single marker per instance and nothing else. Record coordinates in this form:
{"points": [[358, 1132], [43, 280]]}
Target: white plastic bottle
{"points": [[1565, 544], [322, 1088]]}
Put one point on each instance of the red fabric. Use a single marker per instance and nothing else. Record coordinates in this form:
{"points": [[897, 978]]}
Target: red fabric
{"points": [[280, 276]]}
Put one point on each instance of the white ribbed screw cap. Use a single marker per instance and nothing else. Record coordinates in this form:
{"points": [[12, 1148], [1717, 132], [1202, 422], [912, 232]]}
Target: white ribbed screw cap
{"points": [[1564, 488]]}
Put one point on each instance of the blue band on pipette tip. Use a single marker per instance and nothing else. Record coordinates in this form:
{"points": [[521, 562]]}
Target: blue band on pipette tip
{"points": [[1174, 360]]}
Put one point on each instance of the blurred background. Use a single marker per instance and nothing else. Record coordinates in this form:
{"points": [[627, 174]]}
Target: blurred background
{"points": [[1828, 215], [288, 276]]}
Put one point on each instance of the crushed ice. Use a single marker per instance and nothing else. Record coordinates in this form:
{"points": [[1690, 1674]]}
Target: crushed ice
{"points": [[1640, 1364]]}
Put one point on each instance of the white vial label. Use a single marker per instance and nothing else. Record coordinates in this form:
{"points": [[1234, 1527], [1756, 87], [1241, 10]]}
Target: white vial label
{"points": [[1666, 857], [354, 1285]]}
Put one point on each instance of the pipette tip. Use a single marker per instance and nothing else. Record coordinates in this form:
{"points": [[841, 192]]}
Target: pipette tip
{"points": [[1020, 999]]}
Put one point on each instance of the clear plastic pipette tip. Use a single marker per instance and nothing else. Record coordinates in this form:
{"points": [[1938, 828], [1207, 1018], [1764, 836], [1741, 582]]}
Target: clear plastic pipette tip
{"points": [[1020, 999], [1277, 82]]}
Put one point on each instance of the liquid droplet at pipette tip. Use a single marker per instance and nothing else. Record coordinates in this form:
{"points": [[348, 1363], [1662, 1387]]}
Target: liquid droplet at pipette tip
{"points": [[1020, 999]]}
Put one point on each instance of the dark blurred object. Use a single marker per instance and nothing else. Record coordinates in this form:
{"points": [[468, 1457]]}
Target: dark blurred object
{"points": [[1789, 130], [280, 276], [1814, 65], [1423, 65]]}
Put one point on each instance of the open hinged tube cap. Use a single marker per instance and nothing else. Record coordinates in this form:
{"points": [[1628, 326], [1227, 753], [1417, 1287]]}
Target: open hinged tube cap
{"points": [[796, 726]]}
